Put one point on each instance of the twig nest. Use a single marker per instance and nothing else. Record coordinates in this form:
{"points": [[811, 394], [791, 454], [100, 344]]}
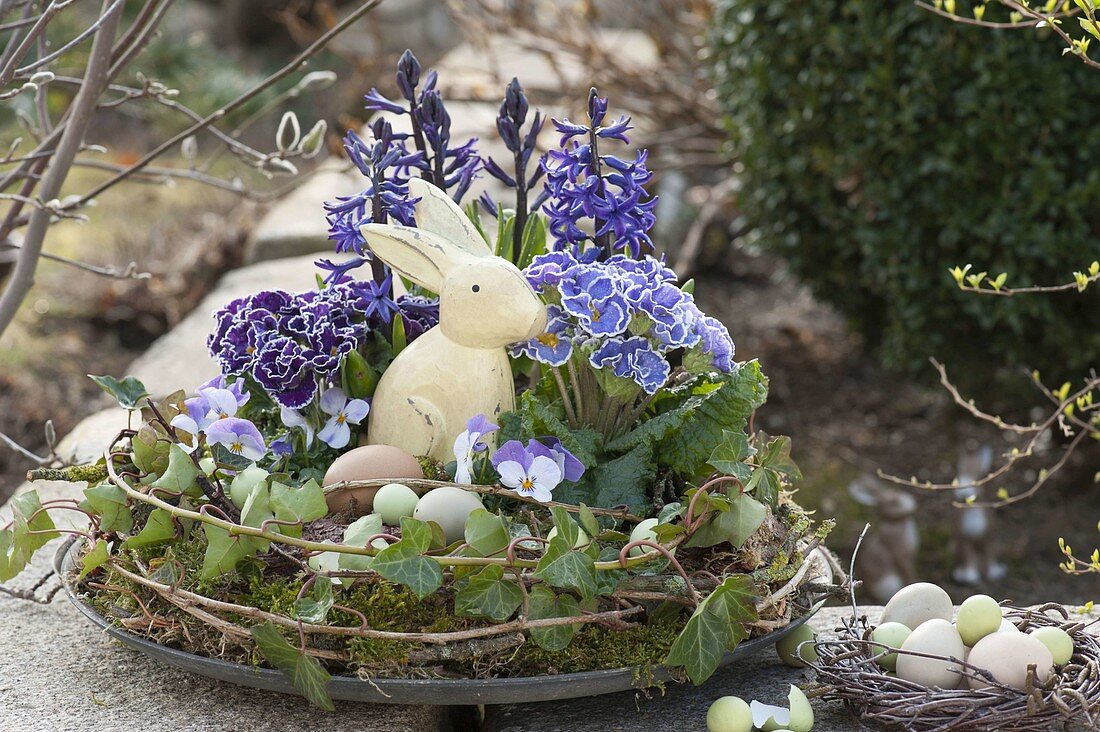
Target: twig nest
{"points": [[449, 506], [370, 462], [893, 635], [936, 637], [1007, 656], [917, 603]]}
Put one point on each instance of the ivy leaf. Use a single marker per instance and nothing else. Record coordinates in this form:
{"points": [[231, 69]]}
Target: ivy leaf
{"points": [[723, 406], [314, 609], [223, 552], [128, 392], [563, 567], [542, 604], [96, 558], [777, 456], [728, 457], [180, 474], [11, 561], [404, 562], [32, 527], [588, 521], [108, 501], [150, 451], [568, 530], [489, 595], [487, 533], [744, 517], [226, 458], [717, 625], [305, 672], [303, 504], [256, 510], [158, 529]]}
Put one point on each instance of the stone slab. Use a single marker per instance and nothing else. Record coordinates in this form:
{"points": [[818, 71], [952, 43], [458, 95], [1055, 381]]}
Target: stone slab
{"points": [[58, 673], [682, 706], [178, 359], [296, 224]]}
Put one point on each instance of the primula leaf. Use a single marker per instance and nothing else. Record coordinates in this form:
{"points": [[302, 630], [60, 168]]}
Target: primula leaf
{"points": [[487, 533], [305, 672], [314, 608], [158, 529], [128, 392], [108, 501], [303, 504], [725, 406], [561, 566], [744, 517], [651, 431], [180, 474], [625, 480], [96, 558], [223, 552], [542, 604], [404, 562], [489, 595], [717, 625]]}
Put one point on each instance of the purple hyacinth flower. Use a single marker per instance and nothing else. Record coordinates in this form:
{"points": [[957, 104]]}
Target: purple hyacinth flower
{"points": [[239, 436]]}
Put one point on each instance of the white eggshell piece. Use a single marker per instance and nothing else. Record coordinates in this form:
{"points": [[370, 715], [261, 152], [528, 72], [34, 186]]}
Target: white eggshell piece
{"points": [[914, 604], [769, 717], [449, 507], [936, 637], [1007, 656]]}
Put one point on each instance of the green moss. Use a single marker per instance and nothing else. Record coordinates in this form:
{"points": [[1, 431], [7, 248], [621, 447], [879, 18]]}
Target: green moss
{"points": [[595, 647]]}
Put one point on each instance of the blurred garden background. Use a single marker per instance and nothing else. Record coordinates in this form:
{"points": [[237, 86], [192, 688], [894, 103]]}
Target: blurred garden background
{"points": [[821, 168]]}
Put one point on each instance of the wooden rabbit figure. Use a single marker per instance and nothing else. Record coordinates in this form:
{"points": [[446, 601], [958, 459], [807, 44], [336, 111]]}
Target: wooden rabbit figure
{"points": [[460, 367], [887, 559], [975, 559]]}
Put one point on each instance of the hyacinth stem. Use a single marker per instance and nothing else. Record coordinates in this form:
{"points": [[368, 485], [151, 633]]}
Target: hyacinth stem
{"points": [[520, 222]]}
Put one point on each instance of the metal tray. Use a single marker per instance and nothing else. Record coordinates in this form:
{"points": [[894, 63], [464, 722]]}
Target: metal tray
{"points": [[419, 691]]}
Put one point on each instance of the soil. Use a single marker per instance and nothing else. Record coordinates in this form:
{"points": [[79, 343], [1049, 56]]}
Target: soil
{"points": [[848, 417]]}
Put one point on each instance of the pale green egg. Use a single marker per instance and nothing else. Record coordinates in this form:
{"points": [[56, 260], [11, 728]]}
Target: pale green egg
{"points": [[643, 531], [1057, 641], [796, 647], [978, 616], [395, 501], [581, 542], [893, 635], [729, 714]]}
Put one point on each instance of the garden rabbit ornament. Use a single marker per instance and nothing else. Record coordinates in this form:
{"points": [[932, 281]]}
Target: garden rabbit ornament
{"points": [[975, 555], [887, 559], [459, 368]]}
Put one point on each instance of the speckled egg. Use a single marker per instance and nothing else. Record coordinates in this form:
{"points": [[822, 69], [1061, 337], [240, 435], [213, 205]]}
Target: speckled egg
{"points": [[370, 462], [1007, 656], [917, 603], [936, 637], [449, 507]]}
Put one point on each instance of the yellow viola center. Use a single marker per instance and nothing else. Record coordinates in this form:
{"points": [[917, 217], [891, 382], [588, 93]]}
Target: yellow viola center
{"points": [[340, 418], [236, 447], [527, 485]]}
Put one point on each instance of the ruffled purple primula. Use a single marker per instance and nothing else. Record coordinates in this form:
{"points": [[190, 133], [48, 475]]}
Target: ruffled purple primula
{"points": [[627, 315]]}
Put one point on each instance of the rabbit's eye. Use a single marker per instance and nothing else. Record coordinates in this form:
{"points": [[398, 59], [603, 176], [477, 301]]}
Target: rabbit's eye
{"points": [[476, 288]]}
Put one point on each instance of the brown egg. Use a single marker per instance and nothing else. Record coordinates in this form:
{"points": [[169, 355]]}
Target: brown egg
{"points": [[369, 462]]}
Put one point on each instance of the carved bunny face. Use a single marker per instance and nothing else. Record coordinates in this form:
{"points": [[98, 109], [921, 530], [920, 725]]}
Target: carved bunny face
{"points": [[485, 302]]}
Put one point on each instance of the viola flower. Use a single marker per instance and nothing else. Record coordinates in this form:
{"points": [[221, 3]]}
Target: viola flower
{"points": [[528, 474], [468, 442], [555, 346], [236, 388], [281, 446], [192, 421], [221, 404], [571, 468], [239, 436], [292, 419], [336, 433]]}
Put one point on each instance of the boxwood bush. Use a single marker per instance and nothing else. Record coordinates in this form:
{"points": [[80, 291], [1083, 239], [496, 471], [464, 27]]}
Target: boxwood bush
{"points": [[882, 145]]}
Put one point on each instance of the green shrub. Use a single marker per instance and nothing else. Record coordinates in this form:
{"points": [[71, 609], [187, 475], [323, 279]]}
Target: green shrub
{"points": [[882, 145]]}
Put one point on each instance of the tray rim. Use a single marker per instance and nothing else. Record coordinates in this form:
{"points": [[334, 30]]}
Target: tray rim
{"points": [[433, 692]]}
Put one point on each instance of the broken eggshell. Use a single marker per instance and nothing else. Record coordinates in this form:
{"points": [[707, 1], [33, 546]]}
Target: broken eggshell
{"points": [[798, 717]]}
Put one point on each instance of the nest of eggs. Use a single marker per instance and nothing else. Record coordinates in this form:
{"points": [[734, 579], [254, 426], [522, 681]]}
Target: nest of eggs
{"points": [[848, 667]]}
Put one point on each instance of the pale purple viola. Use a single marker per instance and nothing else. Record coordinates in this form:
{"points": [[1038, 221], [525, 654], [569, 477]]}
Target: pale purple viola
{"points": [[293, 419], [529, 474], [221, 404], [191, 421], [236, 387], [467, 443], [239, 436], [342, 412], [571, 468]]}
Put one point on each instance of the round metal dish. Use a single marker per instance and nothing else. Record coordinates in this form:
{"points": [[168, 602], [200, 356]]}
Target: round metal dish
{"points": [[422, 691]]}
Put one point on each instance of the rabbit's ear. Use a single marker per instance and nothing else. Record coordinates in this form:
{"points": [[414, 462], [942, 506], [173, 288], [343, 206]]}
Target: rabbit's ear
{"points": [[864, 491], [417, 255], [437, 213]]}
